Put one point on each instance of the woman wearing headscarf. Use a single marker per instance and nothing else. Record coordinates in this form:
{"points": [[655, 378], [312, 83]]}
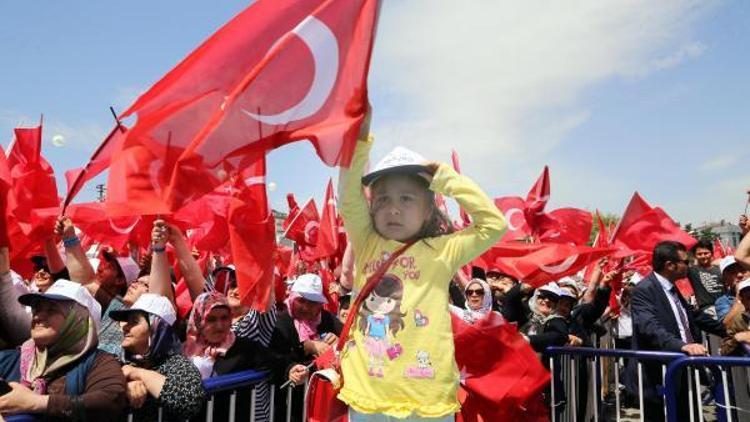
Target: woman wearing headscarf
{"points": [[62, 374], [544, 327], [478, 302], [214, 349], [158, 374], [303, 333]]}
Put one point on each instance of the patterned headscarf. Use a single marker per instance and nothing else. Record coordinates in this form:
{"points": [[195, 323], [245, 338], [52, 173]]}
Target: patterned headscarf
{"points": [[307, 329], [76, 338], [195, 344], [472, 315], [162, 343]]}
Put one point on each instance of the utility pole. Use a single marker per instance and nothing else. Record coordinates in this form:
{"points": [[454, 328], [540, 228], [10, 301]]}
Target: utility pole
{"points": [[101, 192]]}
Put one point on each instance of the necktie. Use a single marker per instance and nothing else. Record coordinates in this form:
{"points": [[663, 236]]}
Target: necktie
{"points": [[682, 314]]}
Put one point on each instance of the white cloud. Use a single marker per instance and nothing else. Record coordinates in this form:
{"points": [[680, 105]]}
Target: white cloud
{"points": [[504, 81], [720, 162]]}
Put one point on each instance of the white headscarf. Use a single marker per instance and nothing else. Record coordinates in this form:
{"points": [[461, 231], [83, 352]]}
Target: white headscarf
{"points": [[472, 315]]}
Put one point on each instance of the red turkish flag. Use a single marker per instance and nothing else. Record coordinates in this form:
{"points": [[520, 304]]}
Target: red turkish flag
{"points": [[279, 72], [303, 230], [540, 263], [536, 199], [565, 225], [97, 227], [5, 185], [327, 244], [513, 208], [719, 251], [642, 227], [503, 382], [207, 219], [252, 235], [33, 192], [293, 210]]}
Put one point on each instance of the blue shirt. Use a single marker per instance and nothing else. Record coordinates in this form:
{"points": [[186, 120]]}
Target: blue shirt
{"points": [[723, 304]]}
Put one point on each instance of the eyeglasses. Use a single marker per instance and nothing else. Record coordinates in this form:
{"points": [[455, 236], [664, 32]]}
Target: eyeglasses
{"points": [[477, 292], [684, 261]]}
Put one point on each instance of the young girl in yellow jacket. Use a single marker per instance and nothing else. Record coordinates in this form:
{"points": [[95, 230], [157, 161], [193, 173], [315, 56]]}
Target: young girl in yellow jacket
{"points": [[399, 361]]}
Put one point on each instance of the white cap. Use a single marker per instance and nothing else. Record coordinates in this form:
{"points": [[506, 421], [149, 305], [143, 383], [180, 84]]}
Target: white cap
{"points": [[310, 287], [743, 284], [400, 160], [726, 262], [67, 290], [151, 303], [129, 267], [551, 288]]}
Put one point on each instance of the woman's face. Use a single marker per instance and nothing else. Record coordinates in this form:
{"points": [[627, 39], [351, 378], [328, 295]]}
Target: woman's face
{"points": [[475, 296], [545, 304], [136, 334], [235, 305], [107, 275], [307, 309], [399, 207], [217, 325], [136, 289], [47, 319], [42, 280]]}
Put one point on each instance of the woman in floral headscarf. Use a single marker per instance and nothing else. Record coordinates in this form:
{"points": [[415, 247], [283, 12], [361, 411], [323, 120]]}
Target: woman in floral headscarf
{"points": [[214, 349]]}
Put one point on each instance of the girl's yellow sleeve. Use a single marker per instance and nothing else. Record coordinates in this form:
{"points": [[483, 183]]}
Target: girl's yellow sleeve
{"points": [[488, 223], [354, 209]]}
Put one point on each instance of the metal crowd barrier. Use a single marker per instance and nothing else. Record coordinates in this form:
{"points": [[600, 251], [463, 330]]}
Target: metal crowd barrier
{"points": [[235, 382], [564, 404], [724, 400]]}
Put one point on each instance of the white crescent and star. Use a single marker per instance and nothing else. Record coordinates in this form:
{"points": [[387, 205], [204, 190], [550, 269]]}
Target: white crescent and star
{"points": [[509, 218], [324, 48], [563, 266]]}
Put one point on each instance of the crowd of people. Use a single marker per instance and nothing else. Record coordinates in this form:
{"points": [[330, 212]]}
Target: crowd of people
{"points": [[93, 337]]}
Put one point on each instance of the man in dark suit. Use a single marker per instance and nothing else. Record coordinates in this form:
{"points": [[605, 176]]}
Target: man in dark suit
{"points": [[663, 321]]}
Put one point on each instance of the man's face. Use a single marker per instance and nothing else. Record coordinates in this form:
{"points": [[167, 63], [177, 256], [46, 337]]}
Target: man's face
{"points": [[678, 268], [745, 298], [703, 256]]}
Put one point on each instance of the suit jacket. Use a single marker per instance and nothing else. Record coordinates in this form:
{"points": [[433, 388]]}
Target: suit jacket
{"points": [[655, 327]]}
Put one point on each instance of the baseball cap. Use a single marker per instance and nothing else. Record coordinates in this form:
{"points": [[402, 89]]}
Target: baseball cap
{"points": [[551, 288], [743, 284], [129, 267], [64, 290], [152, 303], [400, 160], [310, 287], [726, 262]]}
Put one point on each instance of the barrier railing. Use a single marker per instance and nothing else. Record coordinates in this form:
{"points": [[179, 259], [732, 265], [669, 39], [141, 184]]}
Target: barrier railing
{"points": [[570, 367], [692, 364]]}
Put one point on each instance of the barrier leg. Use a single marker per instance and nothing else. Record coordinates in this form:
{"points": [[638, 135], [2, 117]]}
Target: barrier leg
{"points": [[641, 404], [233, 406], [574, 394], [664, 380], [553, 412], [289, 404], [272, 410], [594, 389], [690, 394], [698, 395], [617, 390], [253, 403], [727, 401]]}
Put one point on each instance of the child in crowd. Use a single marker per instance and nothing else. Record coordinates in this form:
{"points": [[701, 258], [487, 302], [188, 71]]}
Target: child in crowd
{"points": [[399, 361]]}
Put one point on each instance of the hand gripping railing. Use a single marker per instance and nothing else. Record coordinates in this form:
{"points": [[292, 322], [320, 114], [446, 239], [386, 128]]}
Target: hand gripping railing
{"points": [[671, 383], [569, 356]]}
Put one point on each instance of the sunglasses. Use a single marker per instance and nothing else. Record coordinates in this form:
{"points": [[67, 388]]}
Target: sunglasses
{"points": [[477, 292], [551, 298]]}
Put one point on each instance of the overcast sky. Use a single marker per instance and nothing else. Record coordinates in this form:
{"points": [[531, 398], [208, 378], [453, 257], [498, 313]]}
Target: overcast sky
{"points": [[615, 96]]}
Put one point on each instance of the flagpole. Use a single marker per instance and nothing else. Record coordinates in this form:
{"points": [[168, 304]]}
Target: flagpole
{"points": [[747, 202], [88, 165]]}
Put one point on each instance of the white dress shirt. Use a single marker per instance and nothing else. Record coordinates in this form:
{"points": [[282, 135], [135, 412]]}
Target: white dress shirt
{"points": [[674, 303]]}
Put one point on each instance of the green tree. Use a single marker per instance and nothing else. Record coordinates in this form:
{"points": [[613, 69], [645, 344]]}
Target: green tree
{"points": [[609, 219]]}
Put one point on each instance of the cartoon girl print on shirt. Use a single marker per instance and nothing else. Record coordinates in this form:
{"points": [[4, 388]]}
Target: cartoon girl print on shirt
{"points": [[380, 318]]}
